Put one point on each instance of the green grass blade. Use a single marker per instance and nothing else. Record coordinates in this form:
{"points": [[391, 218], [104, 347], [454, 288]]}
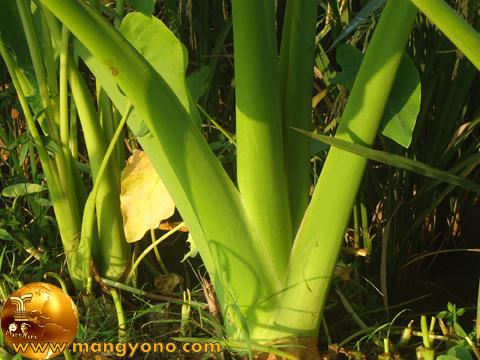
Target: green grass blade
{"points": [[397, 161]]}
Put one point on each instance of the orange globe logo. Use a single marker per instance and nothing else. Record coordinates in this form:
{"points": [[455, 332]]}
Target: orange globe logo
{"points": [[39, 321]]}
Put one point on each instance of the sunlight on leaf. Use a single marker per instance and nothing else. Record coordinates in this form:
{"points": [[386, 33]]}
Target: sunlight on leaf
{"points": [[145, 201], [403, 104]]}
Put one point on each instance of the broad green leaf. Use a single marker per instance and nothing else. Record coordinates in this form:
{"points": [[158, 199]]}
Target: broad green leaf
{"points": [[460, 352], [368, 10], [396, 160], [447, 357], [164, 52], [143, 6], [4, 234], [403, 104], [459, 330], [461, 311], [350, 59], [22, 190], [444, 315], [193, 248], [451, 307], [339, 79], [145, 201], [196, 83]]}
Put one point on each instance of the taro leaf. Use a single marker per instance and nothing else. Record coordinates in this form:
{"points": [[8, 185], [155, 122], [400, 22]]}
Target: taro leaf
{"points": [[350, 59], [22, 190], [145, 201], [459, 352], [397, 161], [447, 357], [196, 83], [143, 6], [403, 104], [164, 52], [339, 79], [368, 10], [193, 248], [4, 234]]}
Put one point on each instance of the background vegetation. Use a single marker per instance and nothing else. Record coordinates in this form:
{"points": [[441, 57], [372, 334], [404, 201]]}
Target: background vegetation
{"points": [[420, 233]]}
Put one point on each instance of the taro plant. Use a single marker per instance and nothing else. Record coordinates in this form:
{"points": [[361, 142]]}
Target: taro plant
{"points": [[270, 250]]}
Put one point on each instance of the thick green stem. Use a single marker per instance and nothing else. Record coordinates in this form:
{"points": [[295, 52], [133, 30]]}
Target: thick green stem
{"points": [[261, 171], [235, 254], [319, 240], [88, 224], [296, 82]]}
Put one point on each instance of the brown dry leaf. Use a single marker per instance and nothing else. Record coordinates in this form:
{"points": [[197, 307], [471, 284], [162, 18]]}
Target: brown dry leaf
{"points": [[145, 201], [170, 283], [343, 271], [331, 353], [169, 225], [15, 113], [308, 351], [3, 153]]}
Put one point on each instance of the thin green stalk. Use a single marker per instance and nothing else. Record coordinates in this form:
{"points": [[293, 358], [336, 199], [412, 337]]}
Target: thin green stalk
{"points": [[88, 224], [227, 135], [59, 279], [37, 60], [67, 227], [120, 9], [50, 67], [73, 137], [64, 125], [120, 150], [318, 242], [149, 248], [157, 253], [123, 336], [113, 252], [65, 176]]}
